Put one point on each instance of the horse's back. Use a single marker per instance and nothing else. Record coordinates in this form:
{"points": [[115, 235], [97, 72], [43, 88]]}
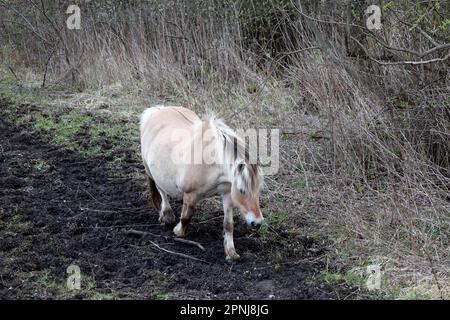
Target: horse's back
{"points": [[158, 126], [165, 118], [169, 115]]}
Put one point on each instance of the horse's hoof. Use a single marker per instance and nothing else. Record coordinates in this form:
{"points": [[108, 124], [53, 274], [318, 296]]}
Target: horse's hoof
{"points": [[232, 258], [168, 219], [178, 230]]}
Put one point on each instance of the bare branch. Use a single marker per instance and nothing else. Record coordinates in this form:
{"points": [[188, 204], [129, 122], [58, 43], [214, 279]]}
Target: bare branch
{"points": [[44, 77], [437, 46], [384, 63], [27, 23], [426, 35], [440, 47], [177, 253], [194, 243], [144, 233], [300, 50], [300, 11], [13, 73]]}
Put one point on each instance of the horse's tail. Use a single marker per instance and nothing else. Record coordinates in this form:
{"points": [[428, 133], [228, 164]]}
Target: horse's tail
{"points": [[154, 193]]}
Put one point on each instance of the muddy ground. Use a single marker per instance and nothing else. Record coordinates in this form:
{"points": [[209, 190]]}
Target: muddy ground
{"points": [[73, 210]]}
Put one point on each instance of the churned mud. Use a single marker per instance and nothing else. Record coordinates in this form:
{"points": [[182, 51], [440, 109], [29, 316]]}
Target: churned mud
{"points": [[58, 208]]}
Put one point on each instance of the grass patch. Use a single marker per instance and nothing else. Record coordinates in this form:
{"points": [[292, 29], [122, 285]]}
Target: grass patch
{"points": [[14, 225], [41, 165], [161, 296], [16, 93], [71, 127], [46, 283], [299, 183], [274, 222], [351, 278], [414, 294], [88, 134]]}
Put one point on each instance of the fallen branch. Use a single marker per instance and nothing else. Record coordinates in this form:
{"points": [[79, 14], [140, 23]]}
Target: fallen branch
{"points": [[194, 243], [177, 253], [139, 233], [144, 233]]}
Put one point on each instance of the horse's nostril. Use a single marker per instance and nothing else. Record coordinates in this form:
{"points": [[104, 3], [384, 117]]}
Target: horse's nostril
{"points": [[255, 225]]}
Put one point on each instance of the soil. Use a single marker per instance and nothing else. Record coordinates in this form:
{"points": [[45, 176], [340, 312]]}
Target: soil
{"points": [[75, 210]]}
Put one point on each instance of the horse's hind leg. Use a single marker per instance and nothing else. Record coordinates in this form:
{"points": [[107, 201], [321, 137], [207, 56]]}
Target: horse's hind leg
{"points": [[189, 201], [166, 215]]}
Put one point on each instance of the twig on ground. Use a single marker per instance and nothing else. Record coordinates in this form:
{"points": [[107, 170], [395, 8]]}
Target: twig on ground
{"points": [[177, 253], [145, 233], [139, 233], [190, 242]]}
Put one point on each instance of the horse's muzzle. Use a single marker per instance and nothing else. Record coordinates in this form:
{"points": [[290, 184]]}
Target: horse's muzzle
{"points": [[254, 226], [253, 223]]}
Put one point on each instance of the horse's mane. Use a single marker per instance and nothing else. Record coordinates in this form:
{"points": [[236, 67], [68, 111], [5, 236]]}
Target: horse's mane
{"points": [[235, 158]]}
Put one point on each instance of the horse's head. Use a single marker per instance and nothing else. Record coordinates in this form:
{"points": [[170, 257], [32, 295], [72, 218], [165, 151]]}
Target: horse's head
{"points": [[245, 190]]}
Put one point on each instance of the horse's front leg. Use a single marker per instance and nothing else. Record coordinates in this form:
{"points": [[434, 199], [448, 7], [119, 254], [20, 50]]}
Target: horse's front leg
{"points": [[228, 243], [189, 201]]}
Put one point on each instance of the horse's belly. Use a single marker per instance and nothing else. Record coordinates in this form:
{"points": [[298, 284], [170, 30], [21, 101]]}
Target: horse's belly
{"points": [[166, 180]]}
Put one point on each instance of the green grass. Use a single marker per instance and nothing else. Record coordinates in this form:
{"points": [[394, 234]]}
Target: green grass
{"points": [[274, 221], [13, 225], [62, 130], [43, 280], [66, 126], [351, 278], [89, 288], [40, 165], [247, 254], [161, 296], [356, 279], [299, 183], [414, 294], [14, 93], [71, 130], [318, 238]]}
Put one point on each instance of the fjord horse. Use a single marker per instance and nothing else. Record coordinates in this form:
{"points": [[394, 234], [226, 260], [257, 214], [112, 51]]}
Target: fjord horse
{"points": [[188, 158]]}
